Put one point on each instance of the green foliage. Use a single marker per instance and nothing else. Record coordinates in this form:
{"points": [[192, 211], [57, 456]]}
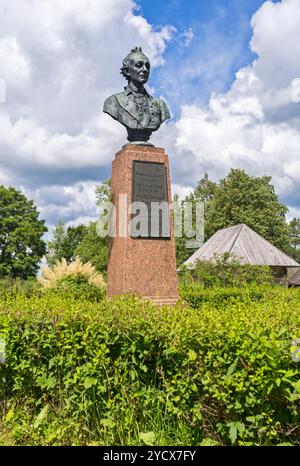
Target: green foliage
{"points": [[127, 372], [205, 190], [227, 271], [103, 192], [82, 241], [239, 198], [294, 233], [93, 248], [64, 243], [78, 287], [182, 252], [16, 286], [196, 295], [55, 247], [21, 231], [78, 280]]}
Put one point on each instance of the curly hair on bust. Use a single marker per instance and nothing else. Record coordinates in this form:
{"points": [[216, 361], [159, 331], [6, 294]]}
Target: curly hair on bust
{"points": [[124, 69]]}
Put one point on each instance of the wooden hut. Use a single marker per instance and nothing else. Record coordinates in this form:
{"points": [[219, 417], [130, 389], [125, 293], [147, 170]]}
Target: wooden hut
{"points": [[294, 278], [247, 246]]}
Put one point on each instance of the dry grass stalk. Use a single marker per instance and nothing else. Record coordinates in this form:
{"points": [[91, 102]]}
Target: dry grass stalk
{"points": [[62, 269]]}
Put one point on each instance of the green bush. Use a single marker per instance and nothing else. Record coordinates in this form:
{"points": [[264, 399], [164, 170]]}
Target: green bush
{"points": [[12, 287], [227, 271], [195, 294], [78, 287], [127, 372]]}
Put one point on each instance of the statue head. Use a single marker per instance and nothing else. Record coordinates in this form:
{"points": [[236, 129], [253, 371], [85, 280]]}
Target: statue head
{"points": [[136, 67]]}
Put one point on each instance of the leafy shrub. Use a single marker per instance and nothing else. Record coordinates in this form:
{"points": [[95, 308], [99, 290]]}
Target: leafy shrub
{"points": [[78, 279], [127, 372], [195, 294], [227, 271], [12, 287], [79, 287]]}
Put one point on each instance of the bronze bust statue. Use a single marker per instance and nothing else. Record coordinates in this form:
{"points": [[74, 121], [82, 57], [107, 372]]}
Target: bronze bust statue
{"points": [[134, 108]]}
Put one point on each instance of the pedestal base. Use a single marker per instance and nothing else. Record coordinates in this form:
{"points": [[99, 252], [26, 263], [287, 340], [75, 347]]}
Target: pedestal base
{"points": [[144, 267]]}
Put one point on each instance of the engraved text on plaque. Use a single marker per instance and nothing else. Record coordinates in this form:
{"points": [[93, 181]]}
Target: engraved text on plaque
{"points": [[150, 208]]}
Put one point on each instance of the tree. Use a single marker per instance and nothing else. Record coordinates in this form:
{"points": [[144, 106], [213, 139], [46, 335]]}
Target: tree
{"points": [[204, 192], [82, 240], [182, 252], [21, 231], [55, 247], [294, 233], [205, 189], [74, 236], [93, 248], [64, 243], [241, 198], [103, 192]]}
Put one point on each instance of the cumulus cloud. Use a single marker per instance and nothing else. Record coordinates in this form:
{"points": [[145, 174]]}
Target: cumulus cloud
{"points": [[59, 61], [255, 125], [68, 203]]}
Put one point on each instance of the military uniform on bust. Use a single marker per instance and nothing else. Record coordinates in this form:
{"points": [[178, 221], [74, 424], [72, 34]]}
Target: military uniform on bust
{"points": [[137, 111]]}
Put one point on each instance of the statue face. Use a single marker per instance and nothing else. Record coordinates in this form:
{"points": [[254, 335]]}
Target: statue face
{"points": [[139, 68]]}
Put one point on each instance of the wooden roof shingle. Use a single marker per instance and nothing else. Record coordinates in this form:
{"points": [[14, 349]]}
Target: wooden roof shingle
{"points": [[243, 243]]}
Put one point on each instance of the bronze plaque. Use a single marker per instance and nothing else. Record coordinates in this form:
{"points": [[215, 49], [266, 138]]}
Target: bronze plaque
{"points": [[150, 207]]}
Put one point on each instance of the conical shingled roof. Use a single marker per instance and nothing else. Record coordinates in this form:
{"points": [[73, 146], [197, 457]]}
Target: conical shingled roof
{"points": [[245, 244]]}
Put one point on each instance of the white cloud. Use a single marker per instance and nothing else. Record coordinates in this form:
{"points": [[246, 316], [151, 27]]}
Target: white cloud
{"points": [[274, 75], [186, 37], [73, 204], [295, 94], [156, 41], [294, 212], [12, 58], [255, 125], [181, 191], [59, 61]]}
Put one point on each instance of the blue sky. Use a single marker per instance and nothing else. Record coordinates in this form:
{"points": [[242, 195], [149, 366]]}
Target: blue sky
{"points": [[219, 27], [229, 71]]}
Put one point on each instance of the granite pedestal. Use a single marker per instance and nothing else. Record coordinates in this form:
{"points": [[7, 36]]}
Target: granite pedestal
{"points": [[143, 266]]}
